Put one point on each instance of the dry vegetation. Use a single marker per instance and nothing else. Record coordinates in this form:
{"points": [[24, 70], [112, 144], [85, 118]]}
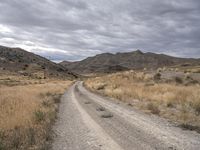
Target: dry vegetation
{"points": [[177, 99], [27, 111]]}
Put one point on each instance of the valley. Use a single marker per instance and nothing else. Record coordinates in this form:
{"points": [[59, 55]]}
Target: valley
{"points": [[101, 102]]}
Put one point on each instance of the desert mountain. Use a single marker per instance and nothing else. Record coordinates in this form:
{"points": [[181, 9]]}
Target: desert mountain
{"points": [[20, 61], [107, 62]]}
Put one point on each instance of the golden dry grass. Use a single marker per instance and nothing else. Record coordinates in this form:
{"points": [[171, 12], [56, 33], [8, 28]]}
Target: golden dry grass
{"points": [[27, 111], [17, 103], [174, 101]]}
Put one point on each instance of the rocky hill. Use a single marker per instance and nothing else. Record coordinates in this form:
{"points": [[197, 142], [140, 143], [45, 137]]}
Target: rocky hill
{"points": [[107, 62], [22, 62]]}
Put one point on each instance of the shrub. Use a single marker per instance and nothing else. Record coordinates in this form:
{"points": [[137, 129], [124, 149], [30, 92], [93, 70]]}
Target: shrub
{"points": [[31, 136], [43, 67], [178, 80], [153, 108], [159, 70], [45, 103], [15, 140], [26, 65], [39, 116], [49, 94], [100, 86], [57, 98], [196, 106], [157, 76], [170, 104]]}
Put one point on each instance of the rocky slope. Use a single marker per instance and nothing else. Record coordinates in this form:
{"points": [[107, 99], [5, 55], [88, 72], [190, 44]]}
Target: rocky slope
{"points": [[20, 61]]}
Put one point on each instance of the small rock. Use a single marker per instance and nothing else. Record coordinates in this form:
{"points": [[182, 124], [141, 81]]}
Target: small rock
{"points": [[107, 115]]}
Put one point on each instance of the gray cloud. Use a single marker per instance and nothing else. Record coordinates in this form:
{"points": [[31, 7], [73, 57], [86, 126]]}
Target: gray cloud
{"points": [[75, 29]]}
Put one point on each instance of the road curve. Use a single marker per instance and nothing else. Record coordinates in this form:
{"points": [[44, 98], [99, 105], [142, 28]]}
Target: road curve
{"points": [[87, 121]]}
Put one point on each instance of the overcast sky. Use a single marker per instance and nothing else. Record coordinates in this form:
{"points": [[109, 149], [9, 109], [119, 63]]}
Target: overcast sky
{"points": [[76, 29]]}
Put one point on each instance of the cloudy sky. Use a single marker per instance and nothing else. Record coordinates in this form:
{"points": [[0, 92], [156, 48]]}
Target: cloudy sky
{"points": [[75, 29]]}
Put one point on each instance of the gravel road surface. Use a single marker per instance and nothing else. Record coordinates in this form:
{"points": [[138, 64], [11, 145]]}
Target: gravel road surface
{"points": [[87, 121]]}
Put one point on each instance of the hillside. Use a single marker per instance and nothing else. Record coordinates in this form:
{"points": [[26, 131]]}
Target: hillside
{"points": [[107, 62], [19, 61]]}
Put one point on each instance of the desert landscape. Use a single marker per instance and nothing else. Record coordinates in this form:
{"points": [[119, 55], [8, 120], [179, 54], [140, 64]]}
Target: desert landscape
{"points": [[99, 75], [31, 95]]}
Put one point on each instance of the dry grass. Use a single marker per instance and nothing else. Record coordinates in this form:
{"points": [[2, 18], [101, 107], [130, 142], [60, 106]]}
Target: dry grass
{"points": [[13, 80], [174, 101], [27, 112]]}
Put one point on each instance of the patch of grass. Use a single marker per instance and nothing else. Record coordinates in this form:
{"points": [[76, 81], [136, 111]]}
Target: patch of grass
{"points": [[26, 117], [39, 116]]}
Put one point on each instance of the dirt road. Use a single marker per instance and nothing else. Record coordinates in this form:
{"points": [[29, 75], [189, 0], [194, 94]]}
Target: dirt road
{"points": [[87, 121]]}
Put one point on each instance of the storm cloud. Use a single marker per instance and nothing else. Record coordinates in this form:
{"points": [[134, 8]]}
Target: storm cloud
{"points": [[76, 29]]}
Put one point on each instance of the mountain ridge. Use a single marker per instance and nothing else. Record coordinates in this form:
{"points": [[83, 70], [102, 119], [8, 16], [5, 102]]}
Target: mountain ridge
{"points": [[105, 62], [23, 62]]}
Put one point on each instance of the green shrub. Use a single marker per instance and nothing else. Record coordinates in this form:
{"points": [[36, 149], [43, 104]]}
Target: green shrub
{"points": [[39, 116]]}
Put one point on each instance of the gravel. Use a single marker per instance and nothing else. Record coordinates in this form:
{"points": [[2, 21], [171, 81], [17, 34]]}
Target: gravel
{"points": [[81, 127]]}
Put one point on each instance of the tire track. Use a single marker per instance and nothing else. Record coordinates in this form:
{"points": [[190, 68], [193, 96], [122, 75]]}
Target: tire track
{"points": [[76, 130]]}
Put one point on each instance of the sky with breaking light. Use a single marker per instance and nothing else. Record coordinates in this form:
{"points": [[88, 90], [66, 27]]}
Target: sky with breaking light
{"points": [[75, 29]]}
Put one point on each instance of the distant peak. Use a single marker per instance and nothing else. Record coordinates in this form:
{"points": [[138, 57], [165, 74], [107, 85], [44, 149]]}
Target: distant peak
{"points": [[138, 52]]}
